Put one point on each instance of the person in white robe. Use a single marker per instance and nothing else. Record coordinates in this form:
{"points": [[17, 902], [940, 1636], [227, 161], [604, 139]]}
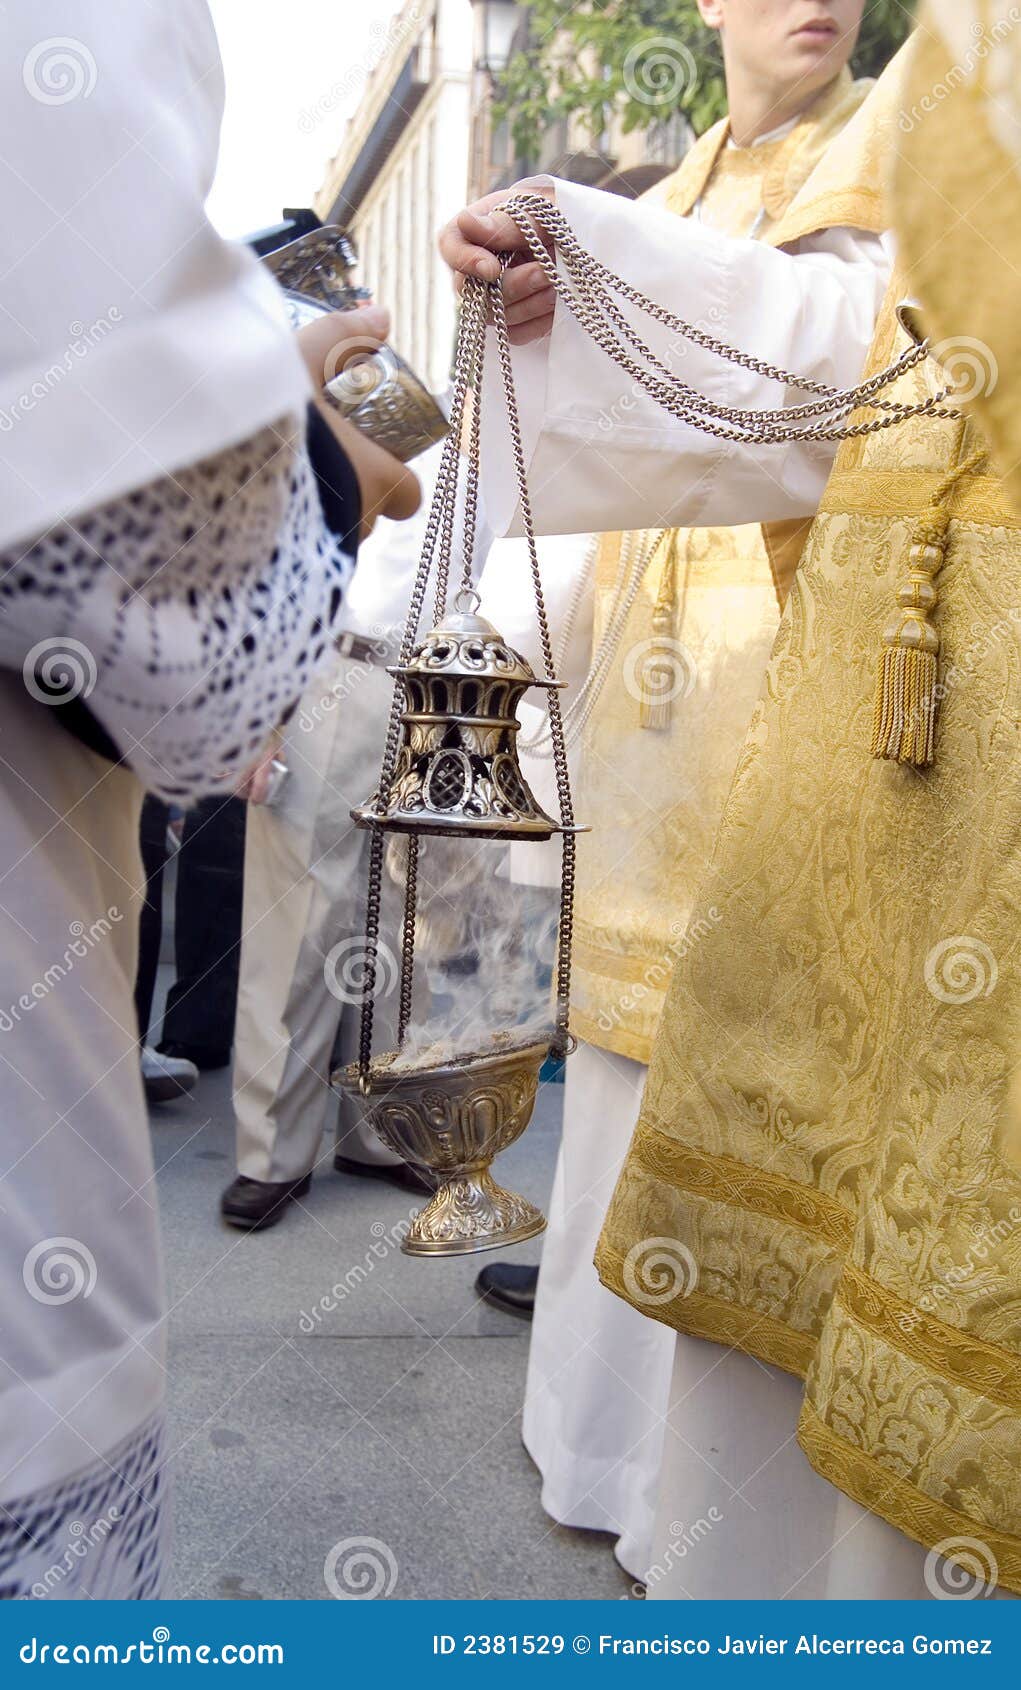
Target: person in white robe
{"points": [[167, 587]]}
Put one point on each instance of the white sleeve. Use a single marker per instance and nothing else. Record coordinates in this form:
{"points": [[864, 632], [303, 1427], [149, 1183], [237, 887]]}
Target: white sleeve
{"points": [[602, 455]]}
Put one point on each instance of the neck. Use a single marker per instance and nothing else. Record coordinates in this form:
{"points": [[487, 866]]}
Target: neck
{"points": [[757, 108]]}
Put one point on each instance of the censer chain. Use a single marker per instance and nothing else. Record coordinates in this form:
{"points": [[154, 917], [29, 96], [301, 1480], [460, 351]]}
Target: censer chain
{"points": [[585, 286], [590, 297]]}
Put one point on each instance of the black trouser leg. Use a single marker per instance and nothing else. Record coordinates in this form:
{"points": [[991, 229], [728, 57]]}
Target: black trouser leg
{"points": [[207, 929], [153, 841]]}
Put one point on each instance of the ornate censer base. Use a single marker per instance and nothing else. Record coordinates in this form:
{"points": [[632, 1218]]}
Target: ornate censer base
{"points": [[453, 1119]]}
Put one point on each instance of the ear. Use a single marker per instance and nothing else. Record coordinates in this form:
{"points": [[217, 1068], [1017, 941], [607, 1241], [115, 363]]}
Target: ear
{"points": [[711, 13]]}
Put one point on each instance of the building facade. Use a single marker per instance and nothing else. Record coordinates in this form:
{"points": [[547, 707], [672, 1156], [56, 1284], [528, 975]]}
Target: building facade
{"points": [[402, 170], [423, 141]]}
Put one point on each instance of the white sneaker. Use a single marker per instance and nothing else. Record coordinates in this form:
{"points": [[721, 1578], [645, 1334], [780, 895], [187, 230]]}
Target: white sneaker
{"points": [[166, 1077]]}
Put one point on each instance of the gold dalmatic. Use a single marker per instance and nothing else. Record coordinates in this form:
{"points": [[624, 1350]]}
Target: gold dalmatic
{"points": [[823, 1130], [661, 745]]}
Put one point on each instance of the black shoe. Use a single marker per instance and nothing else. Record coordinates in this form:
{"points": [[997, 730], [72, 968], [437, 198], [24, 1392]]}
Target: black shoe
{"points": [[510, 1287], [257, 1203], [401, 1174], [205, 1057]]}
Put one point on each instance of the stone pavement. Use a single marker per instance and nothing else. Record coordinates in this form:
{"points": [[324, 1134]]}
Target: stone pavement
{"points": [[393, 1417]]}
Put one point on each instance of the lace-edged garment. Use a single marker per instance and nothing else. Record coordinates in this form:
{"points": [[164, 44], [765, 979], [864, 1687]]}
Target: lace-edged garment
{"points": [[189, 614], [101, 1533]]}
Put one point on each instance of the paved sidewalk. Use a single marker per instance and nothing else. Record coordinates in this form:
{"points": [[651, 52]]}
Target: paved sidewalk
{"points": [[393, 1417]]}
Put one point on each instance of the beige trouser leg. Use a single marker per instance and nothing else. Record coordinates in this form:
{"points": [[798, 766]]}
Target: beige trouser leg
{"points": [[303, 917]]}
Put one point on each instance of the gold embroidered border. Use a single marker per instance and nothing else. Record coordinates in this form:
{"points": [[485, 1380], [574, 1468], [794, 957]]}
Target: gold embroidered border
{"points": [[906, 492], [701, 1316], [730, 1181], [867, 1482], [947, 1351]]}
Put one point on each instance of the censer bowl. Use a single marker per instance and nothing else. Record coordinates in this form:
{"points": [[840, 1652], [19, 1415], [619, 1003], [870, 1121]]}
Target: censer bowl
{"points": [[453, 1119]]}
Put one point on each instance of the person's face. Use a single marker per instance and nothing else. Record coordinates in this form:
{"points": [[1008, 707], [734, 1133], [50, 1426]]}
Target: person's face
{"points": [[793, 43]]}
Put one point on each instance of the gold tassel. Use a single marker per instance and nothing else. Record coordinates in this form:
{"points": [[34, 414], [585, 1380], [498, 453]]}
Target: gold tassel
{"points": [[904, 723], [907, 685], [657, 674]]}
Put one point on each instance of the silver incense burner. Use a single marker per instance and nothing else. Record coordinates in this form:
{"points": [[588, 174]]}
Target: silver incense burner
{"points": [[378, 391]]}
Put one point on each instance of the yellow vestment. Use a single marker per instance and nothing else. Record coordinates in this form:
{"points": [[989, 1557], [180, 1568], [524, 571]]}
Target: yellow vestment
{"points": [[706, 611], [821, 1145]]}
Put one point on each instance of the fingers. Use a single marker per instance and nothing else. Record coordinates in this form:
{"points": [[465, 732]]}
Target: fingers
{"points": [[336, 339], [471, 241]]}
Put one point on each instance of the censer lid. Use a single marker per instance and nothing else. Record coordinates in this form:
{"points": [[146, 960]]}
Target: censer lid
{"points": [[457, 772], [464, 643]]}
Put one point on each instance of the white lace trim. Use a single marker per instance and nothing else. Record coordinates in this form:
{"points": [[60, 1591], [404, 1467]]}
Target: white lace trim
{"points": [[101, 1533], [190, 614]]}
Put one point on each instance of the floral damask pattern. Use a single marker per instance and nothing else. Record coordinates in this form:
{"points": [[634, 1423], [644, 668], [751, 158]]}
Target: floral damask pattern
{"points": [[824, 1121]]}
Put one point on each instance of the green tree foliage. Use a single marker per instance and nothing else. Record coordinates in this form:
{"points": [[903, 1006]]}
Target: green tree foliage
{"points": [[645, 58]]}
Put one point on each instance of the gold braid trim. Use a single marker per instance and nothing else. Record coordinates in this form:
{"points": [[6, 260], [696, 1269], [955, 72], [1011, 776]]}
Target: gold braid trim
{"points": [[623, 1041], [928, 1522], [907, 492], [960, 1357], [702, 1316], [730, 1181]]}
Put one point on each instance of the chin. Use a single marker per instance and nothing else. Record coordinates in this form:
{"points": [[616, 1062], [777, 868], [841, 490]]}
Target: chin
{"points": [[816, 65]]}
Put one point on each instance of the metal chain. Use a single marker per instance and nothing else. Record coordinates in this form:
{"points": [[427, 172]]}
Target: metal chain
{"points": [[590, 301], [565, 931], [636, 554], [533, 213], [439, 530], [408, 938]]}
